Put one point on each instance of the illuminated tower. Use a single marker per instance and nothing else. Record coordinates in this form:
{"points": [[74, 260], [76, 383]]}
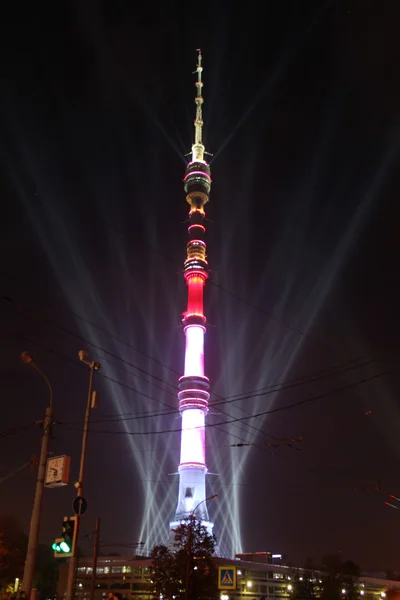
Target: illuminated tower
{"points": [[193, 392]]}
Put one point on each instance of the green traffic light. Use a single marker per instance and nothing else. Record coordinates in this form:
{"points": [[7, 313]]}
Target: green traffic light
{"points": [[64, 547], [56, 547]]}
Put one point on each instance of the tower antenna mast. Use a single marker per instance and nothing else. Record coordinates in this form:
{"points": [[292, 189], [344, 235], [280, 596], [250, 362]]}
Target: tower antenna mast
{"points": [[198, 148]]}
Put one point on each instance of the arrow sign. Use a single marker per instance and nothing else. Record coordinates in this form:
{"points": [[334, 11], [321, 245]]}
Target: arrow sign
{"points": [[79, 505]]}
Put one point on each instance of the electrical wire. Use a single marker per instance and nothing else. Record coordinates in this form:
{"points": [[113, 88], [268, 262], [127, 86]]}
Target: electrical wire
{"points": [[9, 475], [271, 389], [100, 374], [159, 379], [234, 421], [14, 430], [264, 413]]}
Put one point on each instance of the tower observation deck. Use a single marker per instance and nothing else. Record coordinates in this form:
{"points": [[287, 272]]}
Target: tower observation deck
{"points": [[193, 392]]}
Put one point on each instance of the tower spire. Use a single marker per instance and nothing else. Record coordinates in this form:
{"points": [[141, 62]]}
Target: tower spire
{"points": [[198, 148]]}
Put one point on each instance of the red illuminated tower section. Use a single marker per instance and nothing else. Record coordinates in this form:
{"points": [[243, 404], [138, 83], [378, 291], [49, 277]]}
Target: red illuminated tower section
{"points": [[193, 385]]}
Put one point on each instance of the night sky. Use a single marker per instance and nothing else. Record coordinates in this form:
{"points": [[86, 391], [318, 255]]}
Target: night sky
{"points": [[302, 118]]}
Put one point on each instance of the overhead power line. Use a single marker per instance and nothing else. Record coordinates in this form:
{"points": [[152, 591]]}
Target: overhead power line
{"points": [[260, 414], [235, 421], [274, 388], [221, 400], [29, 313], [9, 475]]}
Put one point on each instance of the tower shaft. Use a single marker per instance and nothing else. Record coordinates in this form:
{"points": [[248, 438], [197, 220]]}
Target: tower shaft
{"points": [[193, 392]]}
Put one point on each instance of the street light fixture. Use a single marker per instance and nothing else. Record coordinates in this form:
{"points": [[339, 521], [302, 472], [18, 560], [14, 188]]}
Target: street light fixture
{"points": [[205, 500], [94, 366], [33, 538]]}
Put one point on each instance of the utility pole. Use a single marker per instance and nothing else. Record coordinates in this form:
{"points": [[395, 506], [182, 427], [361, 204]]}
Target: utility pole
{"points": [[34, 528], [95, 552], [94, 366]]}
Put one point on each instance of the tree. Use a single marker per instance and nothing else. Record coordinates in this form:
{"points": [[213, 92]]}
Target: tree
{"points": [[304, 587], [186, 570], [340, 579], [13, 543], [46, 573]]}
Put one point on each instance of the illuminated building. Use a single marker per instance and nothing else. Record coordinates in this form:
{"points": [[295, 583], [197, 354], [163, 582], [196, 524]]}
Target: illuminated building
{"points": [[193, 392], [257, 579]]}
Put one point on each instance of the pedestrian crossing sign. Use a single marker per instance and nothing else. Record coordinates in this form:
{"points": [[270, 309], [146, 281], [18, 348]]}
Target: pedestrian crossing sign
{"points": [[227, 578]]}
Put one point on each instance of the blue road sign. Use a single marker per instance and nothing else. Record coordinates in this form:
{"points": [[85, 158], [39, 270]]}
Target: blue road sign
{"points": [[79, 505], [227, 578]]}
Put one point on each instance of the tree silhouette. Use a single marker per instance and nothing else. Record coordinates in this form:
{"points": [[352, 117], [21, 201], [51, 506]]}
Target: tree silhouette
{"points": [[13, 543], [186, 571], [340, 579]]}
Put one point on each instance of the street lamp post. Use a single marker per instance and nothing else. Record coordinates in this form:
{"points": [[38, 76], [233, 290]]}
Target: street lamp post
{"points": [[34, 528], [189, 543], [94, 366]]}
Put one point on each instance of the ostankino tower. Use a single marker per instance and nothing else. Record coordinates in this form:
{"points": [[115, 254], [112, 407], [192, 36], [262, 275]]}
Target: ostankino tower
{"points": [[193, 392]]}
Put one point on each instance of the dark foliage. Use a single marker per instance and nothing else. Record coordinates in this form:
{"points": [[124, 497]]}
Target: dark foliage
{"points": [[13, 545], [340, 579], [186, 570]]}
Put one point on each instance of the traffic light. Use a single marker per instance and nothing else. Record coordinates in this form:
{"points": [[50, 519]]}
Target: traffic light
{"points": [[65, 545]]}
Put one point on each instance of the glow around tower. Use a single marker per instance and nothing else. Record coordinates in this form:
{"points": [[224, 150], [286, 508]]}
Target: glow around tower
{"points": [[193, 392]]}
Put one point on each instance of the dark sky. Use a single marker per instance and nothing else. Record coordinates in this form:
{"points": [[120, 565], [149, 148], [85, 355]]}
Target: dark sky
{"points": [[302, 117]]}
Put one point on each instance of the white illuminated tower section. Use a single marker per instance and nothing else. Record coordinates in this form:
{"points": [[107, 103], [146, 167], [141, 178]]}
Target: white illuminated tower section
{"points": [[193, 392]]}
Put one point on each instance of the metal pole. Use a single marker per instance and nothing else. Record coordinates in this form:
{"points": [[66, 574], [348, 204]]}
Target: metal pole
{"points": [[79, 491], [95, 552], [33, 538], [73, 560]]}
